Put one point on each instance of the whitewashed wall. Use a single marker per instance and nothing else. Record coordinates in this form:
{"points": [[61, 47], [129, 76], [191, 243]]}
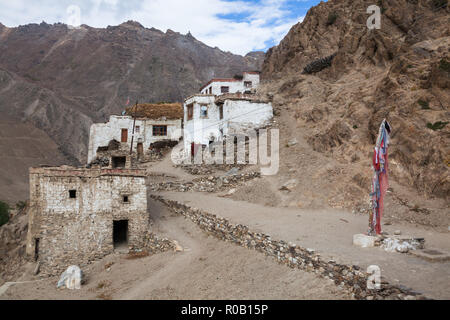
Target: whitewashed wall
{"points": [[102, 133], [234, 85], [238, 115]]}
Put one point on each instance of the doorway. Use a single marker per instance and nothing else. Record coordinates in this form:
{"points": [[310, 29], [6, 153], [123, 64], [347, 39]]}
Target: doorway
{"points": [[140, 150], [120, 234]]}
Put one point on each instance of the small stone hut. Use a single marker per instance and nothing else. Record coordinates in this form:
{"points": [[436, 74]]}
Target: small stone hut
{"points": [[79, 215]]}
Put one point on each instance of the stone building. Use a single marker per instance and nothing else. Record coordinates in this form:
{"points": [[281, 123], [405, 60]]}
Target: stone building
{"points": [[149, 124], [78, 215], [223, 108]]}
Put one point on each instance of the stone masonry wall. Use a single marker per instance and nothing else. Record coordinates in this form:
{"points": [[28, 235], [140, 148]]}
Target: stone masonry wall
{"points": [[350, 278], [76, 231]]}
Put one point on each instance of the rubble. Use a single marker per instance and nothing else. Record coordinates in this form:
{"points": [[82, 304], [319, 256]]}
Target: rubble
{"points": [[209, 184]]}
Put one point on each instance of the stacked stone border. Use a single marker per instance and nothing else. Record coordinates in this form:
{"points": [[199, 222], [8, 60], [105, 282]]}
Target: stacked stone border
{"points": [[350, 278]]}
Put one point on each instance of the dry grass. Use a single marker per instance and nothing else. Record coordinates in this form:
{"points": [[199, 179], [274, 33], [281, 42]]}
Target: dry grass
{"points": [[104, 296], [157, 111], [137, 255]]}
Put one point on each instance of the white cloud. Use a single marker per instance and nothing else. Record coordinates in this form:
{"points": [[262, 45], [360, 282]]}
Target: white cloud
{"points": [[256, 26]]}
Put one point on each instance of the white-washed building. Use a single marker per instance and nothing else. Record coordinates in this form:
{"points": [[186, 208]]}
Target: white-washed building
{"points": [[248, 83], [151, 123], [223, 108]]}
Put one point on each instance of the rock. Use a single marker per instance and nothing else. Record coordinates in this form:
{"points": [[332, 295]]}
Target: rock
{"points": [[292, 142], [177, 247], [363, 241], [288, 186], [232, 172], [397, 232], [37, 269], [71, 278]]}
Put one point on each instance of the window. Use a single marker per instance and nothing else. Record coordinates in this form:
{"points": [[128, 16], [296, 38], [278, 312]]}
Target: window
{"points": [[203, 111], [210, 90], [138, 129], [190, 112], [72, 194], [247, 84], [224, 89], [160, 131], [125, 199], [119, 162], [221, 111]]}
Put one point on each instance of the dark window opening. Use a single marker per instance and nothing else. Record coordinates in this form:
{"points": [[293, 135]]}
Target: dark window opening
{"points": [[138, 129], [247, 84], [119, 162], [36, 249], [126, 199], [204, 111], [190, 112], [120, 233], [160, 131], [224, 89], [72, 194]]}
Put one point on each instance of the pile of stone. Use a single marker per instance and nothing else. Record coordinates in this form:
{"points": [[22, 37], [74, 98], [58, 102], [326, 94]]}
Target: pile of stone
{"points": [[350, 278], [100, 162], [200, 170], [209, 184], [158, 245]]}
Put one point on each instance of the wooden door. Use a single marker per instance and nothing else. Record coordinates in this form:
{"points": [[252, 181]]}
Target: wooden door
{"points": [[124, 135]]}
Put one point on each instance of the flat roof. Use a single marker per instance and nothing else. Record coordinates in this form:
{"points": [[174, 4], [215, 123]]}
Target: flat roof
{"points": [[67, 171], [219, 80]]}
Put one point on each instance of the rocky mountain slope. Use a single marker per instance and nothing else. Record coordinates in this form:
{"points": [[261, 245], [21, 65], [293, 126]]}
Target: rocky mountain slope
{"points": [[61, 80], [329, 118]]}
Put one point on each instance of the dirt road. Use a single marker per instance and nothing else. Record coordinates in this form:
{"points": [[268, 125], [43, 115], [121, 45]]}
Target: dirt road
{"points": [[330, 232], [207, 269]]}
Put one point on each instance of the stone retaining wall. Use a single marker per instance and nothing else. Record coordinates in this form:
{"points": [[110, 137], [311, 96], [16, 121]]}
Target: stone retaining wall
{"points": [[350, 278], [206, 184]]}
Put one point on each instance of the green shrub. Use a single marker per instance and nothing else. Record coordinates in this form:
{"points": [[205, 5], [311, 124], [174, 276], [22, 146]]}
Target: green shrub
{"points": [[4, 213], [424, 104], [332, 16], [437, 125]]}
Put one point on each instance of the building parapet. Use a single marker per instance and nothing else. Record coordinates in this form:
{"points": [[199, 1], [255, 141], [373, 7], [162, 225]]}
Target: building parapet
{"points": [[66, 171]]}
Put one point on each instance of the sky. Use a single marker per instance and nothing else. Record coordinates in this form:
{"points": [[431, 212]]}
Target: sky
{"points": [[238, 26]]}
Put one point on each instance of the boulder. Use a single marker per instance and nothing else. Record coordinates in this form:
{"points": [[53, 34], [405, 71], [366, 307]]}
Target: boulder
{"points": [[71, 278], [364, 241]]}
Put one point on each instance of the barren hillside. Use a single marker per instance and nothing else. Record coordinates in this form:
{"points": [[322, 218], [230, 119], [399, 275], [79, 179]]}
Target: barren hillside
{"points": [[61, 80], [329, 118]]}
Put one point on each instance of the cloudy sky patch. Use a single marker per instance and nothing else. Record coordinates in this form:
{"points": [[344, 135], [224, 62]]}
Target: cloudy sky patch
{"points": [[239, 26]]}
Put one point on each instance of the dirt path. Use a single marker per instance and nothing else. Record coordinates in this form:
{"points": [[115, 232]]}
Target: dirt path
{"points": [[207, 269], [330, 232]]}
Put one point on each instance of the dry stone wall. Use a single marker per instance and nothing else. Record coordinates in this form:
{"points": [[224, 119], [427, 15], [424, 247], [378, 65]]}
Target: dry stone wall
{"points": [[66, 230], [350, 278]]}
